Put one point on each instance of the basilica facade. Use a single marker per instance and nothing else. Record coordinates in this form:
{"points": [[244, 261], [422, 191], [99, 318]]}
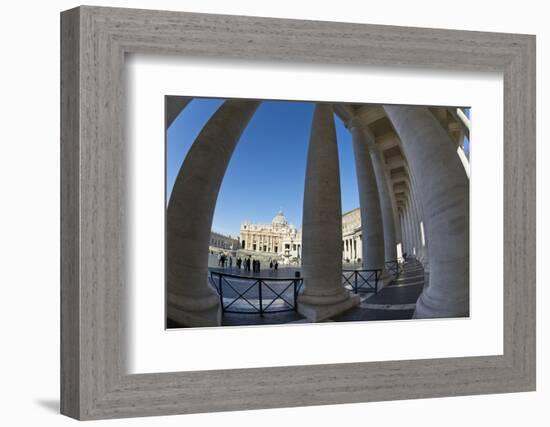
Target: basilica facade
{"points": [[279, 239], [352, 242]]}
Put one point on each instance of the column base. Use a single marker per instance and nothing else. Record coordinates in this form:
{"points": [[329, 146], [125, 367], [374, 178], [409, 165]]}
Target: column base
{"points": [[318, 312], [194, 312], [428, 309]]}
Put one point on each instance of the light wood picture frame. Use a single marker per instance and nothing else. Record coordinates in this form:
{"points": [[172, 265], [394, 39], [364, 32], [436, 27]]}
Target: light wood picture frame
{"points": [[94, 382]]}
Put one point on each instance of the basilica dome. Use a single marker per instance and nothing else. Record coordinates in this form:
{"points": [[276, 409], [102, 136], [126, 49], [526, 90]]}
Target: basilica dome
{"points": [[279, 219]]}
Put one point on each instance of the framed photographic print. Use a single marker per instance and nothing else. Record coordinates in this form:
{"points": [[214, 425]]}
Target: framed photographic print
{"points": [[263, 213]]}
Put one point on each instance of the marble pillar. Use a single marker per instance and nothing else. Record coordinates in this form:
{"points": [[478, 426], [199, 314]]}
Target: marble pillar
{"points": [[421, 245], [323, 294], [369, 199], [405, 230], [444, 188], [415, 228], [191, 301], [422, 218], [410, 236], [386, 208], [173, 106]]}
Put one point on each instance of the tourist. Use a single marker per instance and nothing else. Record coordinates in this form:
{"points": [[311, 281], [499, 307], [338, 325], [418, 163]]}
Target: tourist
{"points": [[271, 265], [230, 261], [276, 265], [258, 265]]}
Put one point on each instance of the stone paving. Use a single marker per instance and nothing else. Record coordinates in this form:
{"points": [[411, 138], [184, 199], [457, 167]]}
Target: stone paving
{"points": [[396, 301]]}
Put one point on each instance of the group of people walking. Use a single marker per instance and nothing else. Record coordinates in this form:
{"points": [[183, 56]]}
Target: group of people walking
{"points": [[224, 260], [247, 264]]}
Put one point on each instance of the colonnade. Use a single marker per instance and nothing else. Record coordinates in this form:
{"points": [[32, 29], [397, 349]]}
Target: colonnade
{"points": [[437, 198], [444, 186], [352, 247]]}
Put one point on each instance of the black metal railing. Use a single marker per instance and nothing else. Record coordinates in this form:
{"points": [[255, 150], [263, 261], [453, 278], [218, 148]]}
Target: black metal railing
{"points": [[393, 267], [258, 295], [363, 281]]}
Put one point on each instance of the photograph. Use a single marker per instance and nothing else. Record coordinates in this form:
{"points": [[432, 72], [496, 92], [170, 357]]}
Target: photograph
{"points": [[278, 214], [283, 212]]}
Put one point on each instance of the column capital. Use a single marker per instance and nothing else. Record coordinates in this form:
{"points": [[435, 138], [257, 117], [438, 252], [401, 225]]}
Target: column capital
{"points": [[359, 122]]}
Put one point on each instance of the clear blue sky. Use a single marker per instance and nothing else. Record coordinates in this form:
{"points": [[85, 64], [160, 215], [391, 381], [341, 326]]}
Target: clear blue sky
{"points": [[466, 140], [267, 170]]}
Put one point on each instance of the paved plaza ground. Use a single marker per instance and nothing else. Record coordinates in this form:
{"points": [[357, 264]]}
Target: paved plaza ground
{"points": [[395, 301]]}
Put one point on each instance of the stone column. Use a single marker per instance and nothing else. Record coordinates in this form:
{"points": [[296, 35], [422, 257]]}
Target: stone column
{"points": [[390, 251], [323, 294], [408, 225], [422, 217], [398, 229], [173, 106], [444, 189], [405, 231], [369, 199], [414, 227], [421, 247], [408, 229], [414, 235], [191, 300]]}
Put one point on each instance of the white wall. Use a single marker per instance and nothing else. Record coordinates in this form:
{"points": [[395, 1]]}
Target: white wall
{"points": [[29, 233]]}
